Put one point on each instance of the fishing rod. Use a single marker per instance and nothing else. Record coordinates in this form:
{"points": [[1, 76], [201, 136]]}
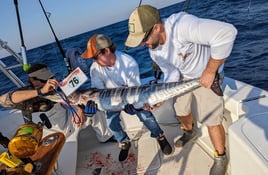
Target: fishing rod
{"points": [[23, 48], [186, 6], [140, 2], [67, 63]]}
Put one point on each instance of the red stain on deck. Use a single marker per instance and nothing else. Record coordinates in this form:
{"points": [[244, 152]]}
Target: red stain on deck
{"points": [[111, 166]]}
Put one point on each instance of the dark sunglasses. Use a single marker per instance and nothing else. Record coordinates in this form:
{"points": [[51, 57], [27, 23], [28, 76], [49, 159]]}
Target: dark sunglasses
{"points": [[147, 34], [95, 57]]}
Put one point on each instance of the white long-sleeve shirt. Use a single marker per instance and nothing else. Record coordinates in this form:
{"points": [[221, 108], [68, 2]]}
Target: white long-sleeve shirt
{"points": [[190, 42], [125, 72]]}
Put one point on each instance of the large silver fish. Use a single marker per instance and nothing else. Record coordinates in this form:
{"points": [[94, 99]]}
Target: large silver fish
{"points": [[115, 99]]}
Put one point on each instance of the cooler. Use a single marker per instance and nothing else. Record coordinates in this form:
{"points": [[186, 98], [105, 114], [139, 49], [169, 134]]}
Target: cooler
{"points": [[248, 145]]}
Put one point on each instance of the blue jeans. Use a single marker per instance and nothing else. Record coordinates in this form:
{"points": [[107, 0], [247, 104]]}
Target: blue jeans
{"points": [[148, 119]]}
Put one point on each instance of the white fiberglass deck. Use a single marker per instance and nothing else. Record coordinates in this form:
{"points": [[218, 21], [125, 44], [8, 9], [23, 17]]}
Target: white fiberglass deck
{"points": [[145, 156]]}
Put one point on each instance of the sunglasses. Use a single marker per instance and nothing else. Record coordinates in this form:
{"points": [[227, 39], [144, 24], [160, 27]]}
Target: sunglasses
{"points": [[147, 34], [95, 57]]}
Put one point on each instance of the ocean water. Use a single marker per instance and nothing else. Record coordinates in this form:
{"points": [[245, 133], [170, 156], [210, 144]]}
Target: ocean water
{"points": [[247, 62]]}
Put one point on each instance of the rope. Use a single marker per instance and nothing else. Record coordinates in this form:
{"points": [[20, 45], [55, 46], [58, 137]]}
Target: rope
{"points": [[72, 109]]}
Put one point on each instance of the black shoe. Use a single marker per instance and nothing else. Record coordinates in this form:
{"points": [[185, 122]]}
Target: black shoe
{"points": [[164, 145], [185, 138], [124, 151]]}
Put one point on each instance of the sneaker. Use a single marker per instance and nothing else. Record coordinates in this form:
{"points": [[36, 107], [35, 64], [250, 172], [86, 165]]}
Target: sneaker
{"points": [[185, 138], [164, 145], [219, 166], [124, 151]]}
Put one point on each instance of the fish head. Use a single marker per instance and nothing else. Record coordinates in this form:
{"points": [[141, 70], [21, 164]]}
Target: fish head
{"points": [[92, 95]]}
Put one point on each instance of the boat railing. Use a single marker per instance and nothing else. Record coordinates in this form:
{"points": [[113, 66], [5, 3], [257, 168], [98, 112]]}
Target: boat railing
{"points": [[7, 70]]}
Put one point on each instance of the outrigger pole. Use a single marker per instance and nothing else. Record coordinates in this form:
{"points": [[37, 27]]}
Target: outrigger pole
{"points": [[57, 41], [23, 48]]}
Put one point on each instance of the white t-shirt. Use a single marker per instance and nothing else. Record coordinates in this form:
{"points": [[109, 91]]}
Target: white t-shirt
{"points": [[125, 72], [190, 41]]}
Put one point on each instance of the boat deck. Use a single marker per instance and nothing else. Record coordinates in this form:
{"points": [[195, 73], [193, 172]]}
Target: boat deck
{"points": [[145, 156]]}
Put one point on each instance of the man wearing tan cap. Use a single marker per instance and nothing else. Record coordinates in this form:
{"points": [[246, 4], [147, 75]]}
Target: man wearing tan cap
{"points": [[187, 47], [111, 69]]}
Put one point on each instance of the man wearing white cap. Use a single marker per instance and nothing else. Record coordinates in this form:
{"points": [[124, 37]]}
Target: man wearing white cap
{"points": [[29, 100], [40, 83], [111, 69], [187, 47]]}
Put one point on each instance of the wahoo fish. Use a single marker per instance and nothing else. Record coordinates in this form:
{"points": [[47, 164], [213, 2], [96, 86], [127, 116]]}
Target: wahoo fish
{"points": [[115, 99]]}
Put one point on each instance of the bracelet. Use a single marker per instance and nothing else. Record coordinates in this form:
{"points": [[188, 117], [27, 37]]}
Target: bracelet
{"points": [[39, 92]]}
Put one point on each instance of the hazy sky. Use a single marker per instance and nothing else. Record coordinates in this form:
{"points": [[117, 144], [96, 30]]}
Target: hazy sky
{"points": [[68, 18]]}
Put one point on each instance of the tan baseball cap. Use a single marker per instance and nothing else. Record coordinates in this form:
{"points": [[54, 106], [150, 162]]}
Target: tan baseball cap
{"points": [[141, 20], [96, 43]]}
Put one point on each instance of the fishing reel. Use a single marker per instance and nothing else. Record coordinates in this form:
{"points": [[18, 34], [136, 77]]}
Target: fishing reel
{"points": [[23, 145]]}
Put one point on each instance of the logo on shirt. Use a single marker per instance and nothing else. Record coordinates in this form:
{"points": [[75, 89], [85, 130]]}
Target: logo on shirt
{"points": [[184, 56]]}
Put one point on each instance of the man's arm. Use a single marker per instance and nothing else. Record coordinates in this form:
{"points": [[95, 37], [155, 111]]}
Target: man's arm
{"points": [[80, 119], [209, 73], [218, 35], [23, 95]]}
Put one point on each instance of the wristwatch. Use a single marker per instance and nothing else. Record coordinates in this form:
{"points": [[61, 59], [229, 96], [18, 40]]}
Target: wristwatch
{"points": [[39, 92]]}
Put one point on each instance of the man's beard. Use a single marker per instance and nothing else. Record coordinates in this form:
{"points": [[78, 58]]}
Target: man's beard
{"points": [[154, 45]]}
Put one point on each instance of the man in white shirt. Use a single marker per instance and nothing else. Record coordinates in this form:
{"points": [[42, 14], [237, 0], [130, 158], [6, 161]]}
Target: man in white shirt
{"points": [[111, 69], [187, 47]]}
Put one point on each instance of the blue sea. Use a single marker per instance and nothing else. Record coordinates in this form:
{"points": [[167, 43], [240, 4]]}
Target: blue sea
{"points": [[248, 61]]}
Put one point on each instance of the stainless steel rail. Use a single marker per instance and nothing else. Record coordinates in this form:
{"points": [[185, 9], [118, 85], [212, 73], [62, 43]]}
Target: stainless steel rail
{"points": [[7, 70]]}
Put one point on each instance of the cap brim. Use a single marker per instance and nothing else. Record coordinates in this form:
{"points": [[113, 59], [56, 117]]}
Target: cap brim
{"points": [[134, 40], [86, 55], [43, 74], [46, 76]]}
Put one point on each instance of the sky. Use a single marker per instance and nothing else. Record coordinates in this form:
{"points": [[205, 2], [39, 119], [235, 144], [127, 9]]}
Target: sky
{"points": [[68, 18]]}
